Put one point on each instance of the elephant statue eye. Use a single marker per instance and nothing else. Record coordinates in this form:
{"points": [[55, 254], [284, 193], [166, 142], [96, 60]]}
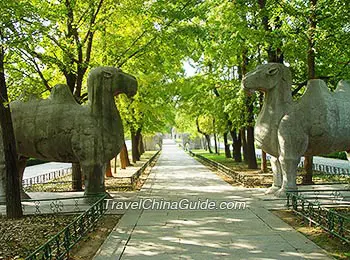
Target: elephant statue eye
{"points": [[107, 74], [272, 71]]}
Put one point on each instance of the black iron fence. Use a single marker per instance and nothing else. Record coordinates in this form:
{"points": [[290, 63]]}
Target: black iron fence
{"points": [[336, 223], [58, 246], [327, 198]]}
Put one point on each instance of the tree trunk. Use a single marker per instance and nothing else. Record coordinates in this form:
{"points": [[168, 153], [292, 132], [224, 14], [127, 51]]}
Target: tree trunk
{"points": [[248, 141], [215, 139], [307, 179], [13, 192], [263, 162], [141, 145], [308, 163], [244, 144], [207, 137], [77, 182], [138, 140], [252, 163], [135, 141], [227, 147], [109, 170], [236, 145], [216, 144], [311, 40], [124, 157], [275, 54], [115, 165]]}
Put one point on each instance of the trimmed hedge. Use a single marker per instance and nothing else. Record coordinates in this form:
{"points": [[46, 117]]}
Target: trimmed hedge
{"points": [[337, 155], [33, 161]]}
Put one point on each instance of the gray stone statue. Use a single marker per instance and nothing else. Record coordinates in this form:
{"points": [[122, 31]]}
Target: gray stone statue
{"points": [[153, 143], [59, 129], [318, 123]]}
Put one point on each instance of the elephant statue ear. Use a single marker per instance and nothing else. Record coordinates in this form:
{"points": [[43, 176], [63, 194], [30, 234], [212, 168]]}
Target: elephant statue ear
{"points": [[61, 93]]}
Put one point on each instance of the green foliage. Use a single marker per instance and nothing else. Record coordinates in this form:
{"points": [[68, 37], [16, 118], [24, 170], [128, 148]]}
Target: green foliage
{"points": [[338, 155], [229, 29], [33, 161], [48, 42]]}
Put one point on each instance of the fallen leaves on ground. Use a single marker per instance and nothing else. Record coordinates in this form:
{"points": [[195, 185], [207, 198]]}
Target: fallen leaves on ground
{"points": [[18, 238]]}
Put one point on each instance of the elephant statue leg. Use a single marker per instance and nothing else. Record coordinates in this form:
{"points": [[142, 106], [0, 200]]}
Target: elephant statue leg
{"points": [[94, 179], [277, 176], [289, 168]]}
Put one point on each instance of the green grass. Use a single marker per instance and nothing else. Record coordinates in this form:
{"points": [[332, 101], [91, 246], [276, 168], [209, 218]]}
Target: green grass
{"points": [[250, 178], [229, 162], [318, 177]]}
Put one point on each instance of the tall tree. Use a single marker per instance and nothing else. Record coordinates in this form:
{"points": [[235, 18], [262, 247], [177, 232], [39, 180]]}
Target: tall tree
{"points": [[13, 197], [10, 25], [274, 53], [308, 161]]}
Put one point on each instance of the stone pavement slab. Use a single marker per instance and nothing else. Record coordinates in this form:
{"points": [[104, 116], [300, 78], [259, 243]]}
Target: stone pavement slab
{"points": [[251, 232]]}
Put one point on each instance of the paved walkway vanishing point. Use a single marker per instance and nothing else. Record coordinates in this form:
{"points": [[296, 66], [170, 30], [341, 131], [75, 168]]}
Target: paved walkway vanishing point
{"points": [[251, 233]]}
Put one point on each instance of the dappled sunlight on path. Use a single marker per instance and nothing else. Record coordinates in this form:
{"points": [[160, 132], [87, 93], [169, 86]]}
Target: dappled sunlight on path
{"points": [[247, 231]]}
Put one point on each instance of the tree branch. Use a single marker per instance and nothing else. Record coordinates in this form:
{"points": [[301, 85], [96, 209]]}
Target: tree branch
{"points": [[92, 21], [38, 70], [132, 45], [153, 39], [299, 87], [198, 129], [62, 48], [304, 83]]}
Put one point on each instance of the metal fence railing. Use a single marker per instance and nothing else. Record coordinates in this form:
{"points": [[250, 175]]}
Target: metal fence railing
{"points": [[328, 169], [333, 222], [58, 246], [44, 178]]}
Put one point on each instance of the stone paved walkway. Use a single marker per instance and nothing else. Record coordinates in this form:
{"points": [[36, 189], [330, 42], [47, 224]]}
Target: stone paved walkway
{"points": [[251, 233]]}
